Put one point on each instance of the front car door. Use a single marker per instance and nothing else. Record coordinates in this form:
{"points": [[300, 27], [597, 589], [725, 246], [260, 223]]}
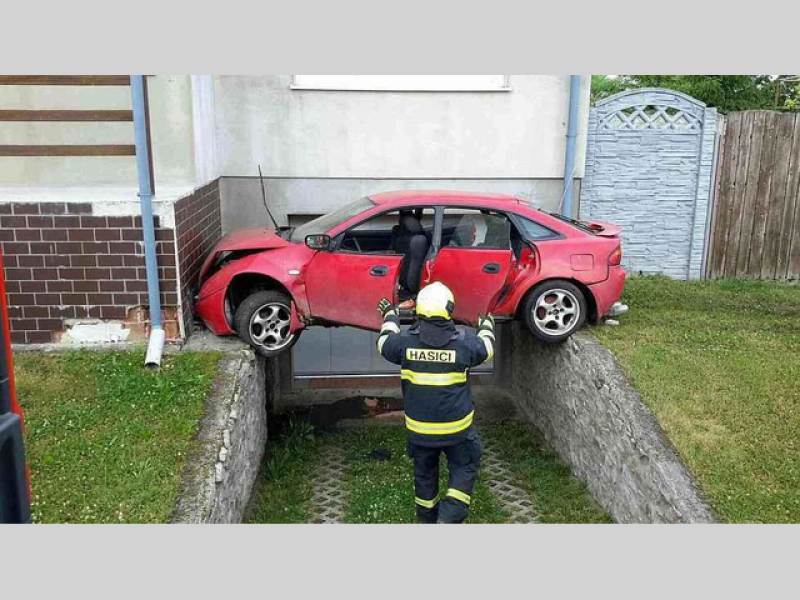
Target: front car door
{"points": [[474, 260], [344, 284]]}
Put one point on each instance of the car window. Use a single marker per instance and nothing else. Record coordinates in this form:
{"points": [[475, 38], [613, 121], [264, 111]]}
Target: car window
{"points": [[324, 223], [474, 228], [383, 234], [534, 231]]}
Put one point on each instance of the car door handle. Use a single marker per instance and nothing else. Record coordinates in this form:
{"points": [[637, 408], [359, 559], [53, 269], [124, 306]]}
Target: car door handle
{"points": [[378, 270], [491, 268]]}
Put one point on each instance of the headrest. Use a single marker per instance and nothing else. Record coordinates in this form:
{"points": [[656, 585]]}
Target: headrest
{"points": [[411, 224]]}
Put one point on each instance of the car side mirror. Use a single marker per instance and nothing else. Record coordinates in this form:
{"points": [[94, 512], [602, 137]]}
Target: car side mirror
{"points": [[318, 241]]}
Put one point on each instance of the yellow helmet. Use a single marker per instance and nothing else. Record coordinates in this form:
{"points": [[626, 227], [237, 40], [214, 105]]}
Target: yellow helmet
{"points": [[435, 300]]}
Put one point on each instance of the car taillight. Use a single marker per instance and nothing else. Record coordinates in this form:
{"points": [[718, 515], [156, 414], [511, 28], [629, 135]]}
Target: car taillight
{"points": [[615, 257]]}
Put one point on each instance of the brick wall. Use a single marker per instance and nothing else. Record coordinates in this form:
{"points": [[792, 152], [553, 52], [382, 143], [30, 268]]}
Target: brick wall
{"points": [[63, 262], [198, 228]]}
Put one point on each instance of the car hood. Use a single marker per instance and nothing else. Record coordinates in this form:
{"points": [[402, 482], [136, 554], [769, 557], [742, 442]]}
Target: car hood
{"points": [[250, 238]]}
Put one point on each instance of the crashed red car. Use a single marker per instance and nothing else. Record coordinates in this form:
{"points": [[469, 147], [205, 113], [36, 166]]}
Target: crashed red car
{"points": [[497, 254]]}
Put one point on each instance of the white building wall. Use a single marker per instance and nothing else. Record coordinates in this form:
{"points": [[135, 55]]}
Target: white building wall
{"points": [[361, 134]]}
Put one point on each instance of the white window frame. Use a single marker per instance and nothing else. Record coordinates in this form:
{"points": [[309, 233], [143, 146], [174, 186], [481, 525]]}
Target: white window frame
{"points": [[402, 83]]}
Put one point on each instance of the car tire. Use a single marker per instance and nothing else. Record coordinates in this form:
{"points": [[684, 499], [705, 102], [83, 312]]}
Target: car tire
{"points": [[554, 310], [262, 320]]}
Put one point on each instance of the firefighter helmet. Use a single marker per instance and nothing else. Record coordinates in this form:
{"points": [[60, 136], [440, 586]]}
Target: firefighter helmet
{"points": [[435, 300]]}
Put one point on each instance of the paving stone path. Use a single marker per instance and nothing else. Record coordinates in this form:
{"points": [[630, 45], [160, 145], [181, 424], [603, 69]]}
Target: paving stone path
{"points": [[512, 497], [329, 498]]}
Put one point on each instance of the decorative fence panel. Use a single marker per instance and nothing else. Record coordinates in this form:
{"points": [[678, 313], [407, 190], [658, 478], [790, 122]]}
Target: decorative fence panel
{"points": [[648, 168], [756, 224]]}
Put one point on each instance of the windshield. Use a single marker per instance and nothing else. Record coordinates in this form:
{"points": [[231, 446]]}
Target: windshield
{"points": [[324, 223]]}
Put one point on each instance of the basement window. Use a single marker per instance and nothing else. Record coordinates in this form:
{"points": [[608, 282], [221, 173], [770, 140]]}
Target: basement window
{"points": [[403, 83]]}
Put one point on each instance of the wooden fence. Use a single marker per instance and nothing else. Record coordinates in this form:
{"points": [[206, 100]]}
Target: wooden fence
{"points": [[755, 231]]}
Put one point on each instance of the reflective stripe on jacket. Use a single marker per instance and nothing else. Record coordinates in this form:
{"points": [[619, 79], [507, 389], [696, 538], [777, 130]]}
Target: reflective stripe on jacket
{"points": [[435, 380]]}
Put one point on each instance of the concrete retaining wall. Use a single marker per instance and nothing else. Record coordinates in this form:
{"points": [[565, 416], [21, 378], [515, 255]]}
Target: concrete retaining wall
{"points": [[219, 475], [578, 396]]}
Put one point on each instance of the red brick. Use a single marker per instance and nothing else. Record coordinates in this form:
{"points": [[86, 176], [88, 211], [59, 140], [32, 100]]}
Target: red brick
{"points": [[93, 222], [50, 324], [136, 286], [25, 209], [23, 324], [80, 235], [84, 260], [164, 235], [14, 312], [126, 299], [77, 299], [69, 247], [6, 235], [112, 312], [132, 260], [47, 299], [13, 222], [12, 287], [98, 299], [98, 273], [16, 248], [30, 260], [123, 273], [120, 221], [43, 247], [104, 235], [52, 208], [45, 274], [19, 274], [5, 209], [112, 286], [132, 235], [54, 235], [109, 260], [32, 287], [18, 337], [72, 274], [59, 286], [96, 247], [40, 222], [39, 337], [62, 312], [28, 235], [66, 221], [85, 286], [10, 260], [75, 208], [34, 312]]}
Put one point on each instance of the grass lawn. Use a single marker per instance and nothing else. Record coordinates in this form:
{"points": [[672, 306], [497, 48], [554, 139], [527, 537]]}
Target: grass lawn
{"points": [[381, 491], [719, 364], [105, 438]]}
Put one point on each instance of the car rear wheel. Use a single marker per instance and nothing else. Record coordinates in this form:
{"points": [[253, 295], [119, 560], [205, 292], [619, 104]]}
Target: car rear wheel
{"points": [[263, 320], [554, 310]]}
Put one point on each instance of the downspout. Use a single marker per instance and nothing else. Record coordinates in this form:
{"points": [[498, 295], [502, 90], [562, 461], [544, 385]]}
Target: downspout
{"points": [[155, 344], [572, 134]]}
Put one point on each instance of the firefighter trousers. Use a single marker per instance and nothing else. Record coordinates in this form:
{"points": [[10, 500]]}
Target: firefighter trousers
{"points": [[463, 461]]}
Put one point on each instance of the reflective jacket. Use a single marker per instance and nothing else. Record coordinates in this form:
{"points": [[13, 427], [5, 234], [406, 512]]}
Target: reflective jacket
{"points": [[435, 379]]}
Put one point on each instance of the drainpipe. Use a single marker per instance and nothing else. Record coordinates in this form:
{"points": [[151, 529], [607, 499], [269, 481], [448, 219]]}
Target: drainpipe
{"points": [[155, 344], [572, 133]]}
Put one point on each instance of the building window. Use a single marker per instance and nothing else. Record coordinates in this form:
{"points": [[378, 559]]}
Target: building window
{"points": [[403, 83]]}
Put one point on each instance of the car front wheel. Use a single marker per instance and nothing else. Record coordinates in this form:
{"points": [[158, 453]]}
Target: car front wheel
{"points": [[263, 320], [554, 310]]}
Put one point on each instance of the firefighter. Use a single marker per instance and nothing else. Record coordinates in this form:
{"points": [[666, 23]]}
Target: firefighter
{"points": [[435, 359]]}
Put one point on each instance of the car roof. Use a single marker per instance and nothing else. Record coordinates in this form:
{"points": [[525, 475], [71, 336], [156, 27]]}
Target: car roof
{"points": [[404, 197]]}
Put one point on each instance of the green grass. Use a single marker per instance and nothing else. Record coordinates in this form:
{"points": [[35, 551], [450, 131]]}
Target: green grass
{"points": [[719, 363], [381, 491], [105, 438]]}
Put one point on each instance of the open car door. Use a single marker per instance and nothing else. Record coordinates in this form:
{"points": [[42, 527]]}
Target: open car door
{"points": [[475, 259], [14, 500]]}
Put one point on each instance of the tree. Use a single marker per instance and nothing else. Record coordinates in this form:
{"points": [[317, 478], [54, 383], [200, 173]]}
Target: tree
{"points": [[725, 92]]}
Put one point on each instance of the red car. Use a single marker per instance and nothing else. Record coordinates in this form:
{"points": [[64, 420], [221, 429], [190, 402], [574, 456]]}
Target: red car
{"points": [[496, 253]]}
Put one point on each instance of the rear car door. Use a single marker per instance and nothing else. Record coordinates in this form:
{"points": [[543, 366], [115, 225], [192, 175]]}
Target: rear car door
{"points": [[474, 259], [14, 501], [344, 284]]}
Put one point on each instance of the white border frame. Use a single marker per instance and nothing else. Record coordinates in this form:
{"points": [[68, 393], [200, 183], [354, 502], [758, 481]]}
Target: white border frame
{"points": [[506, 87]]}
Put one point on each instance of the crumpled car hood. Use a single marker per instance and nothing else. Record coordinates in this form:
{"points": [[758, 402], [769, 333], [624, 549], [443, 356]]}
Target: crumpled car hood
{"points": [[250, 238]]}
